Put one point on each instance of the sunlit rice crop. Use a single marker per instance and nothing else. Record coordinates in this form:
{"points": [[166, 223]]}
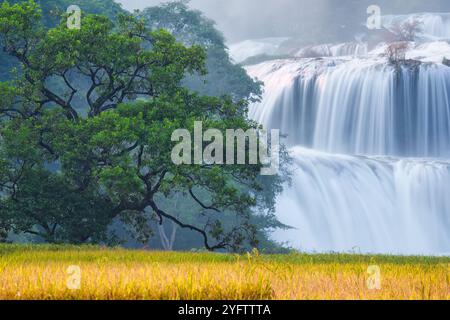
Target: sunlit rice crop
{"points": [[42, 272]]}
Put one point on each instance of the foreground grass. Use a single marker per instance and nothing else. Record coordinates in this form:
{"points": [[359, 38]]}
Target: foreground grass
{"points": [[41, 272]]}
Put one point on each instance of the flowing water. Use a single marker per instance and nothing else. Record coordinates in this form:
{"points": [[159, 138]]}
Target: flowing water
{"points": [[371, 147]]}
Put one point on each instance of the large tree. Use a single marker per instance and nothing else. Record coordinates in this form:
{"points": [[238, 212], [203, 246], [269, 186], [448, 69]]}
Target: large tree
{"points": [[69, 169], [223, 77]]}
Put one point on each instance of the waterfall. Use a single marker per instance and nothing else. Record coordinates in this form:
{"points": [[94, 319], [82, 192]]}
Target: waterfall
{"points": [[333, 50], [345, 203], [371, 144], [358, 106]]}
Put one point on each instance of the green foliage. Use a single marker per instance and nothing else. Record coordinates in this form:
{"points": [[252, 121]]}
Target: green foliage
{"points": [[46, 206], [88, 253], [80, 152], [112, 73], [51, 13]]}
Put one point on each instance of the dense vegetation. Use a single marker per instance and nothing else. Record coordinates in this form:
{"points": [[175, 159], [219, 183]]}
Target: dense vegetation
{"points": [[86, 125], [52, 11]]}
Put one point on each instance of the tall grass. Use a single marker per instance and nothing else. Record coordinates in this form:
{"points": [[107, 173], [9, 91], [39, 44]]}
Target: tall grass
{"points": [[40, 272]]}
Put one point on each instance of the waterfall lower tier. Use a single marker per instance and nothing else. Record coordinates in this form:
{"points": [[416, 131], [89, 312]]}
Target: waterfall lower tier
{"points": [[366, 204]]}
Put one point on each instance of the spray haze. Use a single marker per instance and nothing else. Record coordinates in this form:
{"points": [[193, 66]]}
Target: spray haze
{"points": [[328, 19]]}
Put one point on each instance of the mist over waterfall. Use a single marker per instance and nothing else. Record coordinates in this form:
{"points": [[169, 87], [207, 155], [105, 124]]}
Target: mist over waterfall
{"points": [[371, 144]]}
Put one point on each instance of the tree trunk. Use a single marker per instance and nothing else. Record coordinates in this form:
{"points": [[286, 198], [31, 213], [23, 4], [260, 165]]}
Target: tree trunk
{"points": [[166, 242]]}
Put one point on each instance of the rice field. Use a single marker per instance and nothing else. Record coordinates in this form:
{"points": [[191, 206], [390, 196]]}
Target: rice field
{"points": [[65, 272]]}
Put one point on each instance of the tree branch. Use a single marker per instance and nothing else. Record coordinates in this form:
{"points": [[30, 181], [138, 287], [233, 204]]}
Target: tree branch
{"points": [[201, 203], [163, 214]]}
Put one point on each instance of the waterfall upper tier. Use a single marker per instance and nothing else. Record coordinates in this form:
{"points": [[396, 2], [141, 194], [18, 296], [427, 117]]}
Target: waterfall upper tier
{"points": [[363, 105]]}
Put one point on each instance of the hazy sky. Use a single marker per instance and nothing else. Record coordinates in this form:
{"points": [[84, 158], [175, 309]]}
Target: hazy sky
{"points": [[239, 18], [223, 12], [244, 19]]}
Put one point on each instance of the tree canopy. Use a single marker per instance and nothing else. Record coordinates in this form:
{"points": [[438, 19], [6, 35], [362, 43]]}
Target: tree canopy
{"points": [[51, 14]]}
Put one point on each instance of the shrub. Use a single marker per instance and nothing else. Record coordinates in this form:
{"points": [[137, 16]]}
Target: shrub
{"points": [[396, 52]]}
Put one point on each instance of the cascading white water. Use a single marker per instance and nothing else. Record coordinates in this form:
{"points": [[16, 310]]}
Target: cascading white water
{"points": [[333, 50], [371, 143], [358, 106], [384, 205]]}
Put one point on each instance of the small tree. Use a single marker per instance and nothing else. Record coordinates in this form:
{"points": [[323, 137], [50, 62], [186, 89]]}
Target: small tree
{"points": [[396, 52], [406, 31], [446, 62]]}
